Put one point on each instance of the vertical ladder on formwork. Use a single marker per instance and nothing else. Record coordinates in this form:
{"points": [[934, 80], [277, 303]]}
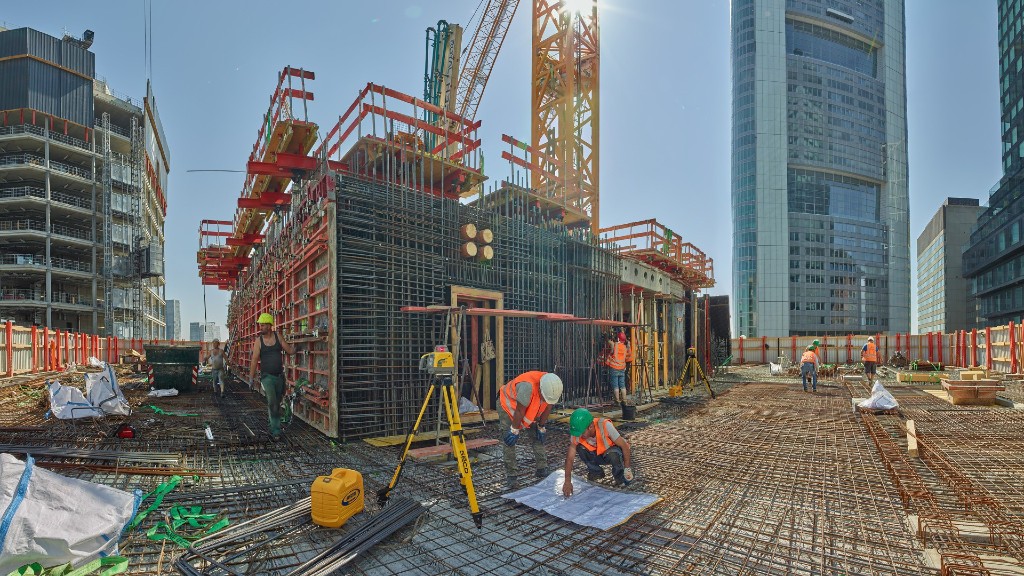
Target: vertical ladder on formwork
{"points": [[136, 232], [106, 181]]}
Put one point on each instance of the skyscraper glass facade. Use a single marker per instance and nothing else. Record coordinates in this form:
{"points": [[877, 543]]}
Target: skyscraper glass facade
{"points": [[994, 258], [820, 228]]}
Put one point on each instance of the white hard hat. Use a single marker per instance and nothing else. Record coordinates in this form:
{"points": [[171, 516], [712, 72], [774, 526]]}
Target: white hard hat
{"points": [[550, 388], [871, 338]]}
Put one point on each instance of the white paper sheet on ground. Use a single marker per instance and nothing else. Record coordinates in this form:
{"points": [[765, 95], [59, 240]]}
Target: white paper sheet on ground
{"points": [[52, 519], [161, 392], [589, 505], [880, 399]]}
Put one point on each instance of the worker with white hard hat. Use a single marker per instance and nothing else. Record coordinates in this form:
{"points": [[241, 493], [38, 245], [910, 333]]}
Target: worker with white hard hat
{"points": [[526, 404], [267, 352], [869, 356]]}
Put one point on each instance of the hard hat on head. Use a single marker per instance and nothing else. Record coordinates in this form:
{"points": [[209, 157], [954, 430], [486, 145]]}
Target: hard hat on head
{"points": [[811, 347], [871, 338], [816, 342], [550, 388], [579, 421], [622, 336], [265, 318]]}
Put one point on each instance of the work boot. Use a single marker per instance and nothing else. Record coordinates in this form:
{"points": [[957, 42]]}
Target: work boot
{"points": [[594, 476], [542, 472], [511, 483]]}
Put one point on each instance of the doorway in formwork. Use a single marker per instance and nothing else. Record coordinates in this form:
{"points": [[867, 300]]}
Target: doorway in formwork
{"points": [[480, 351]]}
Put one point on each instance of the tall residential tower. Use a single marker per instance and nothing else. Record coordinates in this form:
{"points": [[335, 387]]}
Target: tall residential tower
{"points": [[821, 238]]}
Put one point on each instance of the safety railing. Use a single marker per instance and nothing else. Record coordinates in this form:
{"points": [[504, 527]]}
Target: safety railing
{"points": [[39, 226], [56, 197], [39, 131]]}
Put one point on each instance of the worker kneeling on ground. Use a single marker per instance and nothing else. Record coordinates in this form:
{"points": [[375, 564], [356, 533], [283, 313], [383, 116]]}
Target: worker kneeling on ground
{"points": [[526, 401], [597, 443], [809, 367]]}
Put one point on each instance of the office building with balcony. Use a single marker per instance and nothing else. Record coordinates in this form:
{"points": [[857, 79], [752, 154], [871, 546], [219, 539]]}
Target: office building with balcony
{"points": [[944, 300], [994, 259], [83, 180], [821, 236]]}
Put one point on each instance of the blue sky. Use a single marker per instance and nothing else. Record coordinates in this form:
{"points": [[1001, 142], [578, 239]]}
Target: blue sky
{"points": [[665, 99]]}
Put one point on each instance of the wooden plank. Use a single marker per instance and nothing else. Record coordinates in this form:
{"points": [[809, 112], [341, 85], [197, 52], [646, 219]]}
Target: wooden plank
{"points": [[911, 439], [442, 449], [397, 440]]}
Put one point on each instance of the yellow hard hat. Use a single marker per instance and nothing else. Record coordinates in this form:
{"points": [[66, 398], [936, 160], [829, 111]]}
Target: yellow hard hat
{"points": [[265, 318]]}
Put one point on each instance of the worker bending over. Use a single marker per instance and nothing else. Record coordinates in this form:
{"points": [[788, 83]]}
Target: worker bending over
{"points": [[526, 403], [869, 356], [809, 362], [597, 443]]}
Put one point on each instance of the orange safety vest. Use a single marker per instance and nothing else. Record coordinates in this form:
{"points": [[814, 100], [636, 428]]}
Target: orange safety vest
{"points": [[870, 353], [630, 355], [617, 359], [537, 403], [809, 356], [603, 443]]}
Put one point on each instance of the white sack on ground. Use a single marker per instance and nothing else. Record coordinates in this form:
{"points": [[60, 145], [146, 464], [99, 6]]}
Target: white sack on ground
{"points": [[588, 506], [52, 519], [67, 402], [880, 399], [102, 391]]}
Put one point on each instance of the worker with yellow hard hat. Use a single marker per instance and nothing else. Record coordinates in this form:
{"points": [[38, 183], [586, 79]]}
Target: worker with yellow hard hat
{"points": [[526, 404], [597, 443], [268, 352]]}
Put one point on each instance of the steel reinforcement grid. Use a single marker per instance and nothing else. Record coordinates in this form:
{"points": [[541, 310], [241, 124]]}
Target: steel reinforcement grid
{"points": [[763, 480], [398, 247]]}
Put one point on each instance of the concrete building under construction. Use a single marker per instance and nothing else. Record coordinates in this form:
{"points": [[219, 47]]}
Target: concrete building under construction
{"points": [[83, 177]]}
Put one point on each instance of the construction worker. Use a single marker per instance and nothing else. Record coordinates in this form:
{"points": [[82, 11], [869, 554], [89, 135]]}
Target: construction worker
{"points": [[616, 363], [216, 362], [267, 352], [526, 402], [51, 355], [597, 443], [869, 356], [809, 362]]}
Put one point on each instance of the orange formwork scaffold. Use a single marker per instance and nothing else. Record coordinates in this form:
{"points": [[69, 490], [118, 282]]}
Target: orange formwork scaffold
{"points": [[651, 242]]}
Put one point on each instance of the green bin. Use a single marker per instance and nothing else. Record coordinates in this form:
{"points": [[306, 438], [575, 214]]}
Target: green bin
{"points": [[172, 365]]}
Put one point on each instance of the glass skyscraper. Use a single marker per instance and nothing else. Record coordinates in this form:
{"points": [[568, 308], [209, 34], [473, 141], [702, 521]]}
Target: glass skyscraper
{"points": [[821, 237], [994, 258]]}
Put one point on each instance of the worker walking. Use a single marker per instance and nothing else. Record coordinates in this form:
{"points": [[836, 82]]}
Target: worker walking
{"points": [[526, 403], [267, 352], [869, 356], [216, 363], [597, 443], [809, 362], [616, 363]]}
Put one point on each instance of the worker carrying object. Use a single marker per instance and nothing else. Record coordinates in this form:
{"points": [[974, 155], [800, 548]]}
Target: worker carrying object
{"points": [[526, 403], [597, 443], [809, 362], [268, 352], [869, 356], [616, 363]]}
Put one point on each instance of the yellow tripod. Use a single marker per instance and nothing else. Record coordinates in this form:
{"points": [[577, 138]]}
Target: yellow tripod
{"points": [[690, 373], [440, 364]]}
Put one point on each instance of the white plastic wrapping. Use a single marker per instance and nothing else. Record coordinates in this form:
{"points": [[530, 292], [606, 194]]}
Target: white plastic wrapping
{"points": [[589, 505], [880, 399]]}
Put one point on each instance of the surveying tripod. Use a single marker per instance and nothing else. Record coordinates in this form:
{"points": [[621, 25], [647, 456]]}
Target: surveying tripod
{"points": [[440, 365], [690, 373]]}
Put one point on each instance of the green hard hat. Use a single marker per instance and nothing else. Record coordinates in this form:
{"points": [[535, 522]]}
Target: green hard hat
{"points": [[265, 318], [816, 343], [579, 421], [812, 347]]}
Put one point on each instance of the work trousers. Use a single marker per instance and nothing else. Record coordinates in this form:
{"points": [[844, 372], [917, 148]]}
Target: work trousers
{"points": [[618, 379], [273, 387], [593, 462], [218, 380], [809, 369], [870, 370], [540, 456]]}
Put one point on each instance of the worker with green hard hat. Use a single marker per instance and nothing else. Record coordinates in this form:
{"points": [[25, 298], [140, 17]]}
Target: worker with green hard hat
{"points": [[268, 352], [597, 443]]}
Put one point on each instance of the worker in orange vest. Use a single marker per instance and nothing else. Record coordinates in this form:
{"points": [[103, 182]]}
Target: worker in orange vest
{"points": [[809, 362], [597, 442], [616, 363], [51, 356], [869, 356], [526, 403]]}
